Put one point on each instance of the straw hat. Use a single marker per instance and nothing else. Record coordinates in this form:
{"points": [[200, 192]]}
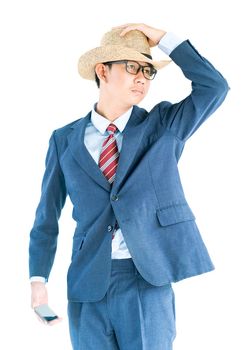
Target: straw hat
{"points": [[132, 46]]}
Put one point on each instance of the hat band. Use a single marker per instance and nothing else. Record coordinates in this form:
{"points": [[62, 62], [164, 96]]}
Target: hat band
{"points": [[148, 56]]}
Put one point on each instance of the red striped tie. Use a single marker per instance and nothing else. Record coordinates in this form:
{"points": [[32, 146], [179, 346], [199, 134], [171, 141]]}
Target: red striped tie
{"points": [[109, 156]]}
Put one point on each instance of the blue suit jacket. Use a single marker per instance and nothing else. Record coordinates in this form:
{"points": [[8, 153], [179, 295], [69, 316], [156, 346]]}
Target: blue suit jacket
{"points": [[146, 198]]}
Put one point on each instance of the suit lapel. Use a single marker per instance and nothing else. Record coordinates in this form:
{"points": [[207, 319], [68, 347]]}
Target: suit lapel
{"points": [[132, 137], [81, 154]]}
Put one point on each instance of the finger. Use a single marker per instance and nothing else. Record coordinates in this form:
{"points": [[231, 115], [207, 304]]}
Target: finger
{"points": [[129, 28], [39, 319], [52, 323], [34, 304]]}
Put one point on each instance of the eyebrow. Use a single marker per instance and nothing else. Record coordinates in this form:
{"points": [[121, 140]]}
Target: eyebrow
{"points": [[147, 63]]}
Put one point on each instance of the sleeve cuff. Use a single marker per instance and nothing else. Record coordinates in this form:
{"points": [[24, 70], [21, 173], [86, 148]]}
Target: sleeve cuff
{"points": [[37, 279], [169, 42]]}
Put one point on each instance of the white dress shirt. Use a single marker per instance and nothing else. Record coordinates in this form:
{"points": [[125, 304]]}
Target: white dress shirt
{"points": [[95, 135]]}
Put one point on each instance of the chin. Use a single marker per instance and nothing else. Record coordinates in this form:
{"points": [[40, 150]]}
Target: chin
{"points": [[137, 99]]}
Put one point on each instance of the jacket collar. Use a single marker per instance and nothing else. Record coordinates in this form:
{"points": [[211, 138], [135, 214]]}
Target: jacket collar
{"points": [[132, 136]]}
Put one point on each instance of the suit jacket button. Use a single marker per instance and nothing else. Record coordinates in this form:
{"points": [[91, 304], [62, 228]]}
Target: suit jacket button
{"points": [[110, 228], [114, 197]]}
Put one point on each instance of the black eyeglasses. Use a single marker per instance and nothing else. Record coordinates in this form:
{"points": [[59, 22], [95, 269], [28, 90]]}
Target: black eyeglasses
{"points": [[133, 67]]}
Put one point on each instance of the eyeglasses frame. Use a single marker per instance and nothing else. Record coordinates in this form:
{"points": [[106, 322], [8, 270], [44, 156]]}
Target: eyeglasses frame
{"points": [[141, 68]]}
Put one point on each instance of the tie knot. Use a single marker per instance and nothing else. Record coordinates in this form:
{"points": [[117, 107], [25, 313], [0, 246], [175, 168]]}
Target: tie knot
{"points": [[112, 129]]}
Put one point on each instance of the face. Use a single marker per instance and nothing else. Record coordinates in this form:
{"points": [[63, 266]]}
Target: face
{"points": [[122, 86]]}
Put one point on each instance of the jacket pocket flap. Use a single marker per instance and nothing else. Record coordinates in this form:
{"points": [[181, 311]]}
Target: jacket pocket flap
{"points": [[174, 214], [78, 242]]}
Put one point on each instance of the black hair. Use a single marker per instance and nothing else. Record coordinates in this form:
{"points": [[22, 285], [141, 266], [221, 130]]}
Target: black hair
{"points": [[97, 80]]}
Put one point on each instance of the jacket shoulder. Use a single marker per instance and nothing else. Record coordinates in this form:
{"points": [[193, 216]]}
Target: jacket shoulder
{"points": [[60, 135], [66, 129]]}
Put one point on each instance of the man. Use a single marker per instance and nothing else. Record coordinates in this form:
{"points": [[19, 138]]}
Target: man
{"points": [[135, 233]]}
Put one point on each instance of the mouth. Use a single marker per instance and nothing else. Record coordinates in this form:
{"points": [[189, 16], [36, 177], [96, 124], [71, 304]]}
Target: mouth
{"points": [[137, 92]]}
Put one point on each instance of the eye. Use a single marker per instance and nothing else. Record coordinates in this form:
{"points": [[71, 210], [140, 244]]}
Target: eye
{"points": [[132, 66], [148, 70]]}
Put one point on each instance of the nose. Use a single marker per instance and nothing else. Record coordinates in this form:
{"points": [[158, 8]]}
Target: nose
{"points": [[139, 78]]}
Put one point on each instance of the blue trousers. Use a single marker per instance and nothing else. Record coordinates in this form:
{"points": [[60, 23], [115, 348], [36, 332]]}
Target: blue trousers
{"points": [[133, 315]]}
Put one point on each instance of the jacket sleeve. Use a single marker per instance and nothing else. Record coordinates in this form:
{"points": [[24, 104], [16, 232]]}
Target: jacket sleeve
{"points": [[43, 236], [209, 90]]}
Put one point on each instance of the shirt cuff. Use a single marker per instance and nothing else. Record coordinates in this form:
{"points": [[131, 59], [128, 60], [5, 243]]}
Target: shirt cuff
{"points": [[37, 279], [169, 42]]}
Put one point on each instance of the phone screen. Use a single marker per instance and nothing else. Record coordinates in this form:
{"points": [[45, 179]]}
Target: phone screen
{"points": [[45, 313]]}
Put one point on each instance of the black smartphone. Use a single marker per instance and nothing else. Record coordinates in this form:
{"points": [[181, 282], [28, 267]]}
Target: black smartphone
{"points": [[45, 313]]}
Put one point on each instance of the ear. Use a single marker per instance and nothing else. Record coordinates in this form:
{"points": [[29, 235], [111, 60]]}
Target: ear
{"points": [[101, 71]]}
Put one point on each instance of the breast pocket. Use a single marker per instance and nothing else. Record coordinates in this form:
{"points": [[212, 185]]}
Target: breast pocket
{"points": [[174, 214]]}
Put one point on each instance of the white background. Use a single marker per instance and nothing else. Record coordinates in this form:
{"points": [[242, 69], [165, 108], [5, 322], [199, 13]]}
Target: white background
{"points": [[41, 90]]}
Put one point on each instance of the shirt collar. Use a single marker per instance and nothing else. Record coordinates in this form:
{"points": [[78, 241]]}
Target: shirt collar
{"points": [[101, 123]]}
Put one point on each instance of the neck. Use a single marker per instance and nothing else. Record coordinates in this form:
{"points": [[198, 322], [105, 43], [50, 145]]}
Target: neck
{"points": [[111, 110]]}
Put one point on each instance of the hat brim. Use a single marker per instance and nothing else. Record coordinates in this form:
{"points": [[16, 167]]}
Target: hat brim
{"points": [[88, 61]]}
